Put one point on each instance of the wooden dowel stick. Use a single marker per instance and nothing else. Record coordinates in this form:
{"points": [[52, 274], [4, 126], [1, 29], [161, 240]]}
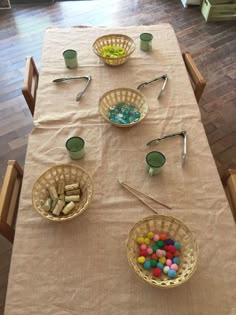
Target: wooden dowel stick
{"points": [[140, 199], [150, 197]]}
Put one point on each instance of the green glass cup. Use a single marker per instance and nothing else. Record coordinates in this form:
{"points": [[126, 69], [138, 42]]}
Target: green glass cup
{"points": [[70, 57], [146, 41], [75, 148], [155, 161]]}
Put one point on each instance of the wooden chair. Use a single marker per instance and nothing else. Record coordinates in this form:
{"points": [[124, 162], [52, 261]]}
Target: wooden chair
{"points": [[30, 84], [197, 80], [9, 199], [230, 190]]}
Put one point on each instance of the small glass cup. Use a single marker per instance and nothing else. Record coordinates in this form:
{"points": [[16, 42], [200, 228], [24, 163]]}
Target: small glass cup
{"points": [[75, 147], [70, 57], [146, 41], [155, 161]]}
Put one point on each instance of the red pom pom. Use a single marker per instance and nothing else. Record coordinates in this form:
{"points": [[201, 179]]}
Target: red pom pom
{"points": [[154, 256], [143, 253], [166, 247], [169, 255], [156, 272], [171, 248], [163, 237], [176, 253]]}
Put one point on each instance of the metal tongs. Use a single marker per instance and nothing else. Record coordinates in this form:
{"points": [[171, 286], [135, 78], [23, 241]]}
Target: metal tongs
{"points": [[79, 95], [182, 133], [163, 77]]}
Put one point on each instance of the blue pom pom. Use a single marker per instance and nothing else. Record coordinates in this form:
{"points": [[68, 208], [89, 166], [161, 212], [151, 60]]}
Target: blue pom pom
{"points": [[172, 273], [176, 260], [147, 264], [177, 245], [160, 265]]}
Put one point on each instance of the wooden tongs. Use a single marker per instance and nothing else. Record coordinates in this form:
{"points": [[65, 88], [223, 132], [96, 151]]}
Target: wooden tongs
{"points": [[135, 192]]}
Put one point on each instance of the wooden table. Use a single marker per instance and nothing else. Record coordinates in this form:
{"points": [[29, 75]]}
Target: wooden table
{"points": [[80, 267]]}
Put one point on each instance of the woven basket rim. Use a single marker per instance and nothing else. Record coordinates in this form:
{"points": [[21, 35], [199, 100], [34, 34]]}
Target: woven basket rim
{"points": [[114, 35], [197, 252], [63, 219], [128, 90]]}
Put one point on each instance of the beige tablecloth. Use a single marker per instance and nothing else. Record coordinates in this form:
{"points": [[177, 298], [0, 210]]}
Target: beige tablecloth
{"points": [[80, 267]]}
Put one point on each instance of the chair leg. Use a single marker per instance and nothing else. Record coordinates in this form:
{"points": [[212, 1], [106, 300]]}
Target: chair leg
{"points": [[7, 231]]}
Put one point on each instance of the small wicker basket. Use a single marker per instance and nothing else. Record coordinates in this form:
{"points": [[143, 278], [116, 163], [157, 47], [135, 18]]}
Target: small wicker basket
{"points": [[126, 95], [120, 40], [177, 231], [70, 174]]}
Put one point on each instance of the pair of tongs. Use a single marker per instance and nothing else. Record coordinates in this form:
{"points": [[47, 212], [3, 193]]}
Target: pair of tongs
{"points": [[137, 192], [163, 77], [79, 95], [182, 133]]}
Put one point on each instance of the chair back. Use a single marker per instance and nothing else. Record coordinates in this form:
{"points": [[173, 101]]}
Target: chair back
{"points": [[197, 80], [30, 84], [230, 190], [9, 199]]}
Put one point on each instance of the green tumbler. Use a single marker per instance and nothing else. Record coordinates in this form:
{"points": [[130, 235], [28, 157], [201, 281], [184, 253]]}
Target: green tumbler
{"points": [[146, 41], [155, 161], [75, 147], [70, 57]]}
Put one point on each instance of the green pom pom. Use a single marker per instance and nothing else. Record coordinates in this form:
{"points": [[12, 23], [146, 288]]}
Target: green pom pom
{"points": [[160, 244], [153, 263], [154, 248]]}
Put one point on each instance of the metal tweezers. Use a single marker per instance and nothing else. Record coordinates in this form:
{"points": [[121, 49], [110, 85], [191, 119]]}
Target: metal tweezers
{"points": [[163, 77], [182, 133], [78, 96]]}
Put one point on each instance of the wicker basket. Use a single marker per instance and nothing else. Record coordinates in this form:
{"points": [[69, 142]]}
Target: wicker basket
{"points": [[177, 231], [120, 40], [70, 174], [126, 95]]}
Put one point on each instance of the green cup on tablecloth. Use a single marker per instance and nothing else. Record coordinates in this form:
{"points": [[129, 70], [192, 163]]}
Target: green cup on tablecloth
{"points": [[155, 161], [70, 57], [75, 148], [146, 41]]}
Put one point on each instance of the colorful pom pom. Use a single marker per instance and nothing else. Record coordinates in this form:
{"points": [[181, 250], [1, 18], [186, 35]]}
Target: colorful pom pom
{"points": [[156, 238], [143, 246], [141, 259], [156, 272], [150, 235], [172, 273], [147, 265]]}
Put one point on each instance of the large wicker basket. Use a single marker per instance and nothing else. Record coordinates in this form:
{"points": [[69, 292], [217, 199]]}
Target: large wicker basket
{"points": [[120, 40], [177, 231], [70, 174], [126, 95]]}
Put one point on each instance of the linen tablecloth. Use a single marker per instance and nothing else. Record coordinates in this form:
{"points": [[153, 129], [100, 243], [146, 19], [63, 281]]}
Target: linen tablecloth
{"points": [[80, 266]]}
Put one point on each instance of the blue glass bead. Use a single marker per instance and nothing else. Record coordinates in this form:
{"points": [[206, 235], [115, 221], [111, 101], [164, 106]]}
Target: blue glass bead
{"points": [[123, 113]]}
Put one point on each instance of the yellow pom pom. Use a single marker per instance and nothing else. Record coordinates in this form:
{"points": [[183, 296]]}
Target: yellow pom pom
{"points": [[162, 260], [147, 241], [140, 240], [150, 235], [141, 259]]}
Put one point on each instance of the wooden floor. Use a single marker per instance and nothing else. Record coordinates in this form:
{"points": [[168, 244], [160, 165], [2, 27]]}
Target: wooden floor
{"points": [[213, 45]]}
